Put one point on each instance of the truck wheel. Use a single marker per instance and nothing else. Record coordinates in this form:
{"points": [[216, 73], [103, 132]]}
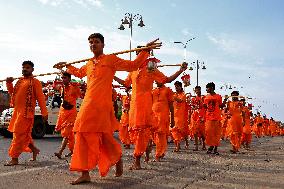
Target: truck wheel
{"points": [[7, 134], [39, 128]]}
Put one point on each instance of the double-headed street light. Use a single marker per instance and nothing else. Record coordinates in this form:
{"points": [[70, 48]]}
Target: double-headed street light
{"points": [[199, 65], [184, 46], [128, 19]]}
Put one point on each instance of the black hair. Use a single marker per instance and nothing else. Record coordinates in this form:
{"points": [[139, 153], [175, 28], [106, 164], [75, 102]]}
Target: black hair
{"points": [[210, 85], [197, 87], [66, 74], [97, 35], [235, 92], [178, 83], [28, 62]]}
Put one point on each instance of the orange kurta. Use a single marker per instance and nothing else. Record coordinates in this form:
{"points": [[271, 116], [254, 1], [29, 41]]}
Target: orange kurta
{"points": [[247, 136], [265, 130], [213, 117], [235, 123], [224, 124], [124, 121], [258, 126], [140, 113], [162, 98], [95, 122], [198, 116], [272, 128], [180, 130], [23, 98], [66, 118]]}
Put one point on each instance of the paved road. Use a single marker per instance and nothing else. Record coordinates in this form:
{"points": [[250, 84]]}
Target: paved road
{"points": [[261, 168]]}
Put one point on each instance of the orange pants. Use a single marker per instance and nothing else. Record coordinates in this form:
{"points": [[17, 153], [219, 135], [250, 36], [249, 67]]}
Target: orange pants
{"points": [[246, 138], [235, 139], [140, 138], [161, 142], [124, 134], [92, 149], [20, 143], [213, 131], [67, 132], [178, 134]]}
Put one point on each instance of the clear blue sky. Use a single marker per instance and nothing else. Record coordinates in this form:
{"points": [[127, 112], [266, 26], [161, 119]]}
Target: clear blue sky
{"points": [[240, 41]]}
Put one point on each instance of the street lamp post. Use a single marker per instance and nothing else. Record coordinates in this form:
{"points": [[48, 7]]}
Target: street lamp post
{"points": [[198, 66], [129, 18], [184, 46]]}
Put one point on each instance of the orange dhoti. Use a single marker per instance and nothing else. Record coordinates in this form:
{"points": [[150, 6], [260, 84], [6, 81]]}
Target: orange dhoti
{"points": [[65, 124], [161, 142], [94, 149], [140, 138], [235, 130], [178, 134], [21, 128], [246, 138], [124, 134], [123, 129], [213, 131], [20, 143], [197, 128]]}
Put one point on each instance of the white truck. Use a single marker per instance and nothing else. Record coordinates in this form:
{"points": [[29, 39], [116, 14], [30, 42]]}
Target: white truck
{"points": [[40, 128]]}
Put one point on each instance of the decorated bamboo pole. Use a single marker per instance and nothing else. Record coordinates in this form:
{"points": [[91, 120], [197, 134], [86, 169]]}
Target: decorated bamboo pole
{"points": [[38, 75], [154, 46]]}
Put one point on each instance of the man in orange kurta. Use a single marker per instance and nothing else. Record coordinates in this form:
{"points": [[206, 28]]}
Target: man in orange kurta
{"points": [[258, 124], [67, 114], [213, 104], [265, 126], [224, 124], [272, 127], [24, 95], [180, 130], [140, 113], [95, 122], [162, 107], [246, 136], [124, 121], [198, 118], [235, 122]]}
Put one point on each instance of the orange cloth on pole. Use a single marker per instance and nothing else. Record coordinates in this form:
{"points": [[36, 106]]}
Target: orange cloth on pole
{"points": [[94, 148], [213, 127], [66, 118], [96, 122], [180, 130], [162, 97], [23, 98]]}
